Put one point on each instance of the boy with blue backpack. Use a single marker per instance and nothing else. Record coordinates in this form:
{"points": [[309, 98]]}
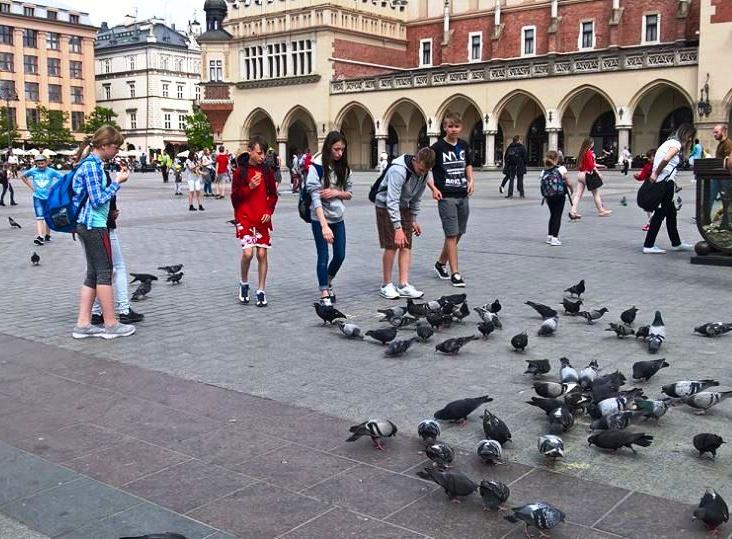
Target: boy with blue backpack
{"points": [[555, 189]]}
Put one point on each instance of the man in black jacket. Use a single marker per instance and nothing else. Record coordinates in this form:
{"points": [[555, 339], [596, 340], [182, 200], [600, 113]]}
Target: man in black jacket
{"points": [[514, 166]]}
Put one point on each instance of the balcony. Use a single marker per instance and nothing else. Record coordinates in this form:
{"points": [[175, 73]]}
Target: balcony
{"points": [[524, 68], [215, 93], [216, 104]]}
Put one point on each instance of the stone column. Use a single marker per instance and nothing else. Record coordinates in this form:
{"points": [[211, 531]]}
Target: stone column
{"points": [[490, 148], [282, 144], [380, 145], [553, 139], [623, 138]]}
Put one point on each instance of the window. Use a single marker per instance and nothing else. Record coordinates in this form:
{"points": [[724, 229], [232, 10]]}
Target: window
{"points": [[6, 61], [198, 93], [53, 40], [7, 88], [31, 91], [425, 52], [52, 15], [302, 57], [31, 117], [54, 67], [6, 35], [216, 69], [131, 62], [131, 85], [75, 69], [166, 120], [107, 66], [77, 94], [29, 11], [107, 91], [277, 60], [74, 44], [180, 91], [74, 19], [77, 121], [54, 93], [651, 25], [132, 119], [587, 35], [182, 122], [179, 65], [165, 89], [30, 38], [528, 41], [11, 114], [30, 64], [253, 63], [4, 8], [475, 46], [164, 62]]}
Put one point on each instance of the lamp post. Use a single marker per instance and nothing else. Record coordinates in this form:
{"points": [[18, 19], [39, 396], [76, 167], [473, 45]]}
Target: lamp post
{"points": [[8, 95], [704, 107]]}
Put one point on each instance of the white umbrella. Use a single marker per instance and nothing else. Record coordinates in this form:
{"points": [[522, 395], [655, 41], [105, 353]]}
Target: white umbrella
{"points": [[49, 152], [184, 153], [19, 151], [66, 152], [33, 151]]}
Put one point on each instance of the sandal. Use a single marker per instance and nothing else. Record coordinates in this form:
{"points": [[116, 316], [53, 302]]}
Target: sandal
{"points": [[605, 213], [574, 216]]}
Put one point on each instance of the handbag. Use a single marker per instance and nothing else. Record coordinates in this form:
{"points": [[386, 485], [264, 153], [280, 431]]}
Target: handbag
{"points": [[650, 194], [593, 180]]}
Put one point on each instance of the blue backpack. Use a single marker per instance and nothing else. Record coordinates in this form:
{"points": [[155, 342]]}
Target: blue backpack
{"points": [[305, 200], [552, 183], [60, 211]]}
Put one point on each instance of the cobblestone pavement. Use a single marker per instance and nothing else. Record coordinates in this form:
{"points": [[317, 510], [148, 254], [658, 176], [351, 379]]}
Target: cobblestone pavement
{"points": [[121, 428]]}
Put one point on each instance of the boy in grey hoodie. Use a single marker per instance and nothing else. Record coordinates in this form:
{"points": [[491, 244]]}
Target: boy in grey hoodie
{"points": [[397, 206]]}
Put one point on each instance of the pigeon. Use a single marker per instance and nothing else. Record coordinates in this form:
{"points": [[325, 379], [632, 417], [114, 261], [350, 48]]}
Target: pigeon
{"points": [[352, 331], [402, 321], [544, 310], [644, 370], [620, 330], [142, 277], [588, 374], [704, 400], [567, 373], [460, 313], [493, 494], [495, 429], [456, 484], [713, 329], [537, 367], [35, 259], [578, 289], [653, 409], [440, 453], [328, 313], [424, 332], [560, 420], [383, 335], [494, 307], [392, 312], [628, 316], [571, 307], [656, 334], [686, 388], [13, 223], [453, 346], [642, 332], [142, 291], [419, 310], [548, 327], [459, 410], [551, 446], [520, 342], [437, 320], [616, 421], [615, 439], [548, 405], [707, 442], [376, 429], [428, 430], [594, 314], [552, 390], [609, 406], [175, 278], [454, 299], [165, 535], [400, 347], [623, 201], [540, 514], [712, 510], [171, 269], [490, 451], [486, 327], [487, 316], [606, 386]]}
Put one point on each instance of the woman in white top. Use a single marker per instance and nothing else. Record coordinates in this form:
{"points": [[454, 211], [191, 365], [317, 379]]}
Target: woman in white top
{"points": [[665, 165], [193, 175]]}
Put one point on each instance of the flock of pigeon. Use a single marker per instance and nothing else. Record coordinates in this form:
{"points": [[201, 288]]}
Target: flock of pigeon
{"points": [[174, 276], [575, 392]]}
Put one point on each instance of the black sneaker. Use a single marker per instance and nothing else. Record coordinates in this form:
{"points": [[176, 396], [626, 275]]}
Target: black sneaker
{"points": [[131, 317], [244, 293], [457, 280], [200, 208], [38, 240], [191, 208], [47, 238], [97, 320], [261, 299], [441, 270], [13, 203]]}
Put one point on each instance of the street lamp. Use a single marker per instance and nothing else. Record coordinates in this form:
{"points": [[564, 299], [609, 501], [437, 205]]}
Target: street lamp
{"points": [[704, 106], [8, 94]]}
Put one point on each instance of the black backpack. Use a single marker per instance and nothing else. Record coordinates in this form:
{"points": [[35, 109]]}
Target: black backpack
{"points": [[305, 200], [513, 155], [375, 187], [552, 183]]}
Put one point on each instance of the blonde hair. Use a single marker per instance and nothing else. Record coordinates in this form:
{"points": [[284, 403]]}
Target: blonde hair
{"points": [[551, 158], [453, 117], [106, 135]]}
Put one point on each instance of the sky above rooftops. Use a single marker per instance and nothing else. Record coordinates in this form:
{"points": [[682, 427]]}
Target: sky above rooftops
{"points": [[177, 12]]}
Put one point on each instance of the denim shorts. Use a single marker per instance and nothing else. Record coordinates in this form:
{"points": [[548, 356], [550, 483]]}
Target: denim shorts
{"points": [[454, 214], [38, 208]]}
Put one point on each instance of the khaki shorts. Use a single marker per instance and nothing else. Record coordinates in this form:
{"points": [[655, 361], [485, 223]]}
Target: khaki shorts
{"points": [[386, 229]]}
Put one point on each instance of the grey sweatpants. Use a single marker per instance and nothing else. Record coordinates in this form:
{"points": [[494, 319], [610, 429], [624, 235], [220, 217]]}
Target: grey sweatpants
{"points": [[98, 251]]}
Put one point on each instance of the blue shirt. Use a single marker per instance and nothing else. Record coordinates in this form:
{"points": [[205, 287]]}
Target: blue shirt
{"points": [[89, 179], [42, 180]]}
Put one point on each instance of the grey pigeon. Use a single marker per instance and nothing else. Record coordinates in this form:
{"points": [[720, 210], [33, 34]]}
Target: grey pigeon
{"points": [[460, 313], [588, 374], [548, 327], [572, 306], [424, 332], [453, 299], [455, 484], [560, 420], [392, 312], [594, 314], [488, 316], [620, 330], [453, 346], [171, 269], [440, 453], [540, 514], [551, 446], [376, 429], [548, 405], [553, 390], [644, 370], [613, 440], [141, 291], [713, 329], [13, 223], [419, 310], [616, 421], [399, 348], [704, 400], [544, 310], [175, 278], [642, 332], [495, 429], [493, 494], [537, 367], [486, 327], [578, 289], [35, 259], [490, 451], [567, 373], [350, 330], [706, 442], [459, 410], [656, 334], [686, 388], [437, 320], [712, 510], [383, 335], [142, 277], [628, 316], [609, 406], [402, 321], [428, 430], [520, 341]]}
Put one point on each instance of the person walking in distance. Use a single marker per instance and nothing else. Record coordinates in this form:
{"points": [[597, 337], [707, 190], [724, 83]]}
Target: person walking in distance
{"points": [[514, 167], [625, 159], [587, 165], [6, 182], [39, 179], [193, 173], [222, 173], [207, 170], [295, 174], [554, 189], [451, 184], [254, 197], [329, 185], [665, 166], [165, 162], [398, 203]]}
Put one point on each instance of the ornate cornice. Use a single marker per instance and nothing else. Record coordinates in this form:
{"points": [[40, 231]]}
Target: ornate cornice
{"points": [[272, 83]]}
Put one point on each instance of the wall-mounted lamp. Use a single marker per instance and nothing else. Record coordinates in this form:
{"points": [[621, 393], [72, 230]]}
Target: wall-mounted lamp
{"points": [[429, 123], [620, 113], [704, 106], [377, 124], [278, 130], [487, 117], [550, 116], [324, 129]]}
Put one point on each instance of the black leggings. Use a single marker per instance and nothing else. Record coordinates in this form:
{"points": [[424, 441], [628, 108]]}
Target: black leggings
{"points": [[667, 210], [7, 186], [556, 208], [98, 251]]}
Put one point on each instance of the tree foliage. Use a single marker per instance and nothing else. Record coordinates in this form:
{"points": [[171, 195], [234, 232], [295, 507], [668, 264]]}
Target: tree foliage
{"points": [[4, 143], [99, 117], [50, 130], [198, 131]]}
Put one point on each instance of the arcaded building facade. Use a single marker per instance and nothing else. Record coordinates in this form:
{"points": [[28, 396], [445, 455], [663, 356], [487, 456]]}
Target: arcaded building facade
{"points": [[623, 72]]}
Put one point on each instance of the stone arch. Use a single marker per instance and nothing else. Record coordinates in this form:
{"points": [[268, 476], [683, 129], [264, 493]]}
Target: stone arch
{"points": [[357, 124], [578, 92], [473, 125], [458, 103], [515, 114], [259, 123], [301, 130], [579, 113], [655, 86], [407, 121]]}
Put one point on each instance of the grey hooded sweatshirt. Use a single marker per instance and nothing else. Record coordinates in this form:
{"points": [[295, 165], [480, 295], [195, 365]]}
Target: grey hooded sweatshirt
{"points": [[401, 188]]}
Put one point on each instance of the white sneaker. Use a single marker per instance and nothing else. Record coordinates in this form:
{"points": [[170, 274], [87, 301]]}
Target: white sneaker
{"points": [[655, 250], [389, 291], [408, 291], [555, 242], [683, 246], [549, 239]]}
